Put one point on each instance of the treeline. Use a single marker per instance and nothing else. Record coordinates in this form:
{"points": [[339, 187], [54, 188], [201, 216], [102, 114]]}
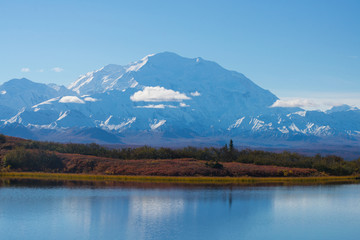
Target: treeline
{"points": [[333, 165], [225, 154], [32, 160], [2, 138]]}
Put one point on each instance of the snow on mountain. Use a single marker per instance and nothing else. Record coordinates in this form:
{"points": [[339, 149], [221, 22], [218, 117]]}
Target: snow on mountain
{"points": [[19, 93], [341, 108], [166, 96], [110, 77], [156, 124], [236, 124]]}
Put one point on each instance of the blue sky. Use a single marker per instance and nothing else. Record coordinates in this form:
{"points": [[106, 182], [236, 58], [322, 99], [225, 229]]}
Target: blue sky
{"points": [[296, 49]]}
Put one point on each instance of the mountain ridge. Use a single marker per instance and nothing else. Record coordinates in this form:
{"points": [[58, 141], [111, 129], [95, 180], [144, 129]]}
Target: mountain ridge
{"points": [[168, 98]]}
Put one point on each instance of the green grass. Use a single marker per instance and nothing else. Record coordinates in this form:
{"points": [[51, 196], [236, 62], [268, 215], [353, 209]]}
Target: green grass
{"points": [[187, 180]]}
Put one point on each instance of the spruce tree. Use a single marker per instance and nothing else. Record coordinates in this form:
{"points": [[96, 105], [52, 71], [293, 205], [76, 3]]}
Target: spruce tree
{"points": [[231, 146]]}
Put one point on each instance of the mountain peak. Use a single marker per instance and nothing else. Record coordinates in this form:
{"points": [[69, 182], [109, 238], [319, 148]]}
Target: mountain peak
{"points": [[19, 81], [112, 68], [341, 108], [20, 93], [168, 96], [165, 55], [172, 72]]}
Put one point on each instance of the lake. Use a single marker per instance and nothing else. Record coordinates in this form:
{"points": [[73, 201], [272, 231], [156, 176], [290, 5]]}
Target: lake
{"points": [[74, 210]]}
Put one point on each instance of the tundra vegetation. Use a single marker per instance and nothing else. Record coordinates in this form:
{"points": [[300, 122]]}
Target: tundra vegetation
{"points": [[28, 155]]}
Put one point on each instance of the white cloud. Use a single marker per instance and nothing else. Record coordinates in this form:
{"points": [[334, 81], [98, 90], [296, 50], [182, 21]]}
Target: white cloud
{"points": [[195, 94], [295, 102], [152, 106], [184, 105], [90, 99], [70, 99], [157, 106], [158, 94], [322, 104], [57, 69], [25, 70], [41, 70]]}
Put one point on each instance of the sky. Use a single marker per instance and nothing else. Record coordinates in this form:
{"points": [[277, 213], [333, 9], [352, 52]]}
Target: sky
{"points": [[304, 51]]}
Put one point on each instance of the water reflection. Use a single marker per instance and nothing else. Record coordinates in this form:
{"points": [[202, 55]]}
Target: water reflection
{"points": [[55, 210]]}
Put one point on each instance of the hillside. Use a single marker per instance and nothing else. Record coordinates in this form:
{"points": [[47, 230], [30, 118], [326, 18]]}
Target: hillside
{"points": [[25, 155]]}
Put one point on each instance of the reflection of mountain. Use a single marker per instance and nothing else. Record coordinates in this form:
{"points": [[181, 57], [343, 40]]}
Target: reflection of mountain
{"points": [[153, 208], [154, 213], [131, 213], [197, 214], [311, 212], [166, 99]]}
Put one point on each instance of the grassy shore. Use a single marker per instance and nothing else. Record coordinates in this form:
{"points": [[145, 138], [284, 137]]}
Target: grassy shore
{"points": [[187, 180]]}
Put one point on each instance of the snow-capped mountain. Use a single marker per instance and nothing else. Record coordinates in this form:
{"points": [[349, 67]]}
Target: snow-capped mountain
{"points": [[18, 94], [166, 98]]}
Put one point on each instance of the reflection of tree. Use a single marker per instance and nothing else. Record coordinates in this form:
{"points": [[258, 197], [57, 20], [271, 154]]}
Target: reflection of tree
{"points": [[230, 198]]}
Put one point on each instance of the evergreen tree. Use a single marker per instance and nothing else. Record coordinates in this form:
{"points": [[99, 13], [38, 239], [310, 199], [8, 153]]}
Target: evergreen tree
{"points": [[231, 146]]}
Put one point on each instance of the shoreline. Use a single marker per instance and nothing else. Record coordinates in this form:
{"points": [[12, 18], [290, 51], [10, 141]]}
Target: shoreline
{"points": [[185, 180]]}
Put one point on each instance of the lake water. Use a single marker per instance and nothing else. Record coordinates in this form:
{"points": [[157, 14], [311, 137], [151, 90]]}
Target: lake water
{"points": [[42, 210]]}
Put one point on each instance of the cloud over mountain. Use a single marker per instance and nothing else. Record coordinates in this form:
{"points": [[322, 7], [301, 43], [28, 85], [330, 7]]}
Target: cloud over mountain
{"points": [[158, 94]]}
